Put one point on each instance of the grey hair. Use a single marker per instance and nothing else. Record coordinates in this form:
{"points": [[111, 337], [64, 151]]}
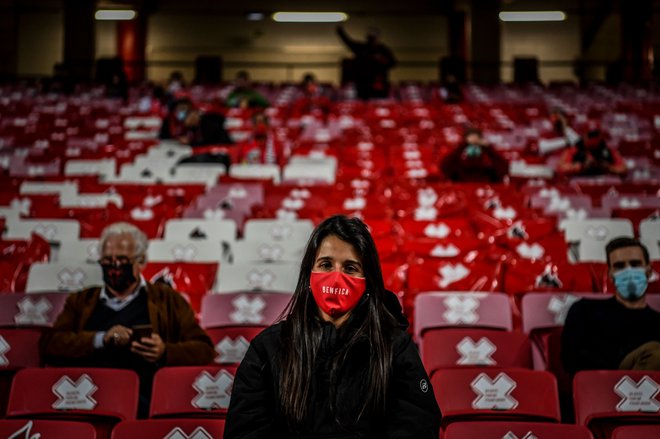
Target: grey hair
{"points": [[139, 237]]}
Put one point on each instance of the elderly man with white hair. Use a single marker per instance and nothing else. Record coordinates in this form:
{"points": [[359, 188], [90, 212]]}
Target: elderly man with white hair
{"points": [[127, 323]]}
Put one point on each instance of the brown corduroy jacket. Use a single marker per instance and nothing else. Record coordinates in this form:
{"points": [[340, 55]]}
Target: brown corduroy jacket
{"points": [[172, 318]]}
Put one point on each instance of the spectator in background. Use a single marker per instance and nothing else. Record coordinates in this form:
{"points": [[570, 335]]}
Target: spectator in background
{"points": [[561, 135], [592, 156], [194, 127], [341, 363], [313, 98], [127, 323], [261, 148], [243, 95], [373, 60], [617, 333], [474, 160]]}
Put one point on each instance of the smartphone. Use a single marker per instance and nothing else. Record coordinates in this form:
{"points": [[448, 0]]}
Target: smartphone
{"points": [[141, 331]]}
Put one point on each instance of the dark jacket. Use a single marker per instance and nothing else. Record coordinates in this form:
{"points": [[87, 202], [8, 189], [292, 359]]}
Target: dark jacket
{"points": [[171, 318], [411, 412], [599, 333]]}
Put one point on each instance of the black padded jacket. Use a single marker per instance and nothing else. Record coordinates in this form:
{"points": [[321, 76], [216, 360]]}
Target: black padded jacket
{"points": [[411, 412]]}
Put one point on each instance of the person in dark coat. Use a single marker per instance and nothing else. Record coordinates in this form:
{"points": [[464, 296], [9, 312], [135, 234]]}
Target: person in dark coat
{"points": [[592, 156], [373, 60], [340, 364], [622, 332], [192, 126], [474, 160]]}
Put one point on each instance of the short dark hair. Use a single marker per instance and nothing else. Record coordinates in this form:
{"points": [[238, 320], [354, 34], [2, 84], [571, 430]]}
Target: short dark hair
{"points": [[625, 241], [472, 130]]}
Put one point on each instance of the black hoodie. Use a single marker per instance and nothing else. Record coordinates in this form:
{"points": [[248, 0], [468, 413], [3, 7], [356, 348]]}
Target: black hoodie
{"points": [[411, 412]]}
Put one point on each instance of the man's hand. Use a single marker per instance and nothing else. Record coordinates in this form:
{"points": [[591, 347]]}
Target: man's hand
{"points": [[150, 348], [118, 335]]}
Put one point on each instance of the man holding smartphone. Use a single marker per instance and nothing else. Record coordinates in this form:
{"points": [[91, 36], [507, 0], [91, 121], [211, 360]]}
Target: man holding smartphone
{"points": [[127, 323]]}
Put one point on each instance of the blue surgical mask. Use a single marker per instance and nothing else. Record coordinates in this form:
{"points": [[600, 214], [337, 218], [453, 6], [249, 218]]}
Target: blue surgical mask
{"points": [[473, 150], [181, 115], [631, 283]]}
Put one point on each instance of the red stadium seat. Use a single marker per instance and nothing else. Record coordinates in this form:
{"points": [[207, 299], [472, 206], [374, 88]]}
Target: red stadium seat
{"points": [[605, 400], [457, 348], [170, 428], [258, 309], [18, 349], [192, 392], [102, 397], [437, 310], [30, 310], [637, 432], [231, 344], [24, 428], [496, 394], [515, 430]]}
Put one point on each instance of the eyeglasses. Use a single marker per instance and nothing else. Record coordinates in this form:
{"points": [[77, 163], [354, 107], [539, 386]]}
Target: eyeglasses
{"points": [[115, 261]]}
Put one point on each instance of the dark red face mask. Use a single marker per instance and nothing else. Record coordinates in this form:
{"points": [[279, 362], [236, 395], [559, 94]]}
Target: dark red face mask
{"points": [[337, 293]]}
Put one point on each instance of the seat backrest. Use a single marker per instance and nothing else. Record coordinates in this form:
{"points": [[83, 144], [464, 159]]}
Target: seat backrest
{"points": [[476, 310], [257, 251], [51, 230], [191, 391], [236, 277], [179, 229], [231, 343], [66, 277], [83, 250], [650, 228], [19, 348], [44, 392], [630, 201], [507, 394], [255, 171], [613, 394], [170, 429], [242, 309], [47, 187], [198, 173], [184, 251], [602, 230], [515, 430], [653, 246], [468, 347], [24, 428], [267, 230], [637, 432], [34, 309], [549, 310], [104, 167]]}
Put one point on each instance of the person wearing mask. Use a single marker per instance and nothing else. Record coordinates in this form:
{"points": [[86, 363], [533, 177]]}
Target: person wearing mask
{"points": [[474, 160], [340, 364], [373, 61], [622, 332], [592, 156], [192, 126], [126, 323]]}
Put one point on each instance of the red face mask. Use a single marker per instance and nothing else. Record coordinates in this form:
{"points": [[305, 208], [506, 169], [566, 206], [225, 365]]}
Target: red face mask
{"points": [[337, 293]]}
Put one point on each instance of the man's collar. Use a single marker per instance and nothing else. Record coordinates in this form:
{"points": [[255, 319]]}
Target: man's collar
{"points": [[105, 297]]}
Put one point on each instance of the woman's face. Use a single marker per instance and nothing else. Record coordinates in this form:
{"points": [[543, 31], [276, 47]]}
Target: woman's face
{"points": [[337, 255]]}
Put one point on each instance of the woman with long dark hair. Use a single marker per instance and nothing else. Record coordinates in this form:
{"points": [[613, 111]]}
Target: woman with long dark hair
{"points": [[340, 364]]}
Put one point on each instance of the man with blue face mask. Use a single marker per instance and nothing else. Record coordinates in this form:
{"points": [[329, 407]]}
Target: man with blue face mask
{"points": [[622, 332]]}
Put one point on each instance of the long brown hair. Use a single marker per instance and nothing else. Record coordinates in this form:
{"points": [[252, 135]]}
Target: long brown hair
{"points": [[301, 332]]}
